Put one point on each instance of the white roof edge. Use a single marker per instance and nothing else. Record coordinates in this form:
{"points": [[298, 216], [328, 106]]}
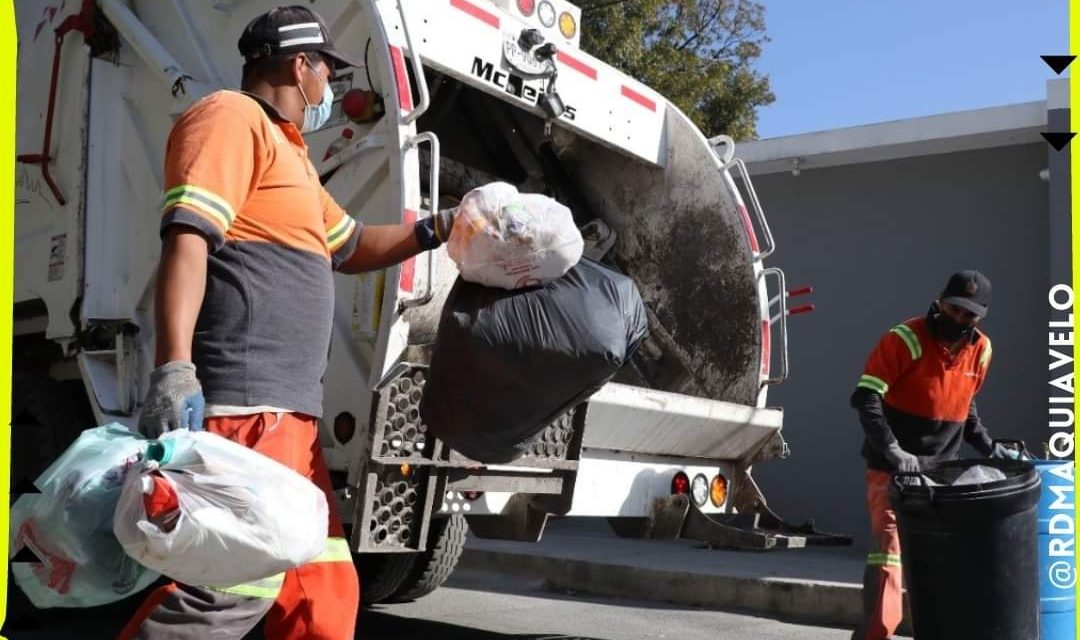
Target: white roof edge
{"points": [[944, 133]]}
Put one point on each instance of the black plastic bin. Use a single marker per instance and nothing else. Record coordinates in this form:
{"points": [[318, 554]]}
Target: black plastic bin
{"points": [[969, 552]]}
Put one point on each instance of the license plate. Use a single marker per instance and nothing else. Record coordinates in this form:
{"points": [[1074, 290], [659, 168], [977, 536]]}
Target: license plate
{"points": [[520, 59]]}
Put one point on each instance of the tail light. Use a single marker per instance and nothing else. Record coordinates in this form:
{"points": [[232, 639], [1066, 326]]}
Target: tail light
{"points": [[344, 427], [680, 484], [526, 7], [718, 490], [699, 490]]}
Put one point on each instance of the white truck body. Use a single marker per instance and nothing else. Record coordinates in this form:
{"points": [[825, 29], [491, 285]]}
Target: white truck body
{"points": [[453, 82]]}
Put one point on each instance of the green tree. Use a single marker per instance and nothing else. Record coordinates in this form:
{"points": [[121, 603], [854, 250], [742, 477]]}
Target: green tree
{"points": [[697, 53]]}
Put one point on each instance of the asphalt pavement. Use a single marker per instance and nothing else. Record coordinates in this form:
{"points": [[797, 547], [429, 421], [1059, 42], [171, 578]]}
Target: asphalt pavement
{"points": [[489, 606]]}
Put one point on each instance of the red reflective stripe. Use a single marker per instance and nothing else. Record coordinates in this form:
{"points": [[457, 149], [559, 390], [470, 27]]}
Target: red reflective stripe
{"points": [[476, 12], [748, 226], [766, 348], [408, 268], [576, 65], [638, 98], [402, 78]]}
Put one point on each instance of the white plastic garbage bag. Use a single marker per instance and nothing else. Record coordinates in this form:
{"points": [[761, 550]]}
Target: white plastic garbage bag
{"points": [[503, 238], [68, 526], [242, 515]]}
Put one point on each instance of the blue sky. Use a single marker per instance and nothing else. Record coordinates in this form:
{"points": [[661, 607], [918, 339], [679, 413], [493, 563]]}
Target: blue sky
{"points": [[840, 63]]}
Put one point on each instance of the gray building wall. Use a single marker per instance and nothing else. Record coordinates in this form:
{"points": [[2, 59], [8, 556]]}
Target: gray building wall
{"points": [[877, 241]]}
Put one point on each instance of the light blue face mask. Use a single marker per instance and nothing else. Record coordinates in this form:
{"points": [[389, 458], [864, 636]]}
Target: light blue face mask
{"points": [[316, 115]]}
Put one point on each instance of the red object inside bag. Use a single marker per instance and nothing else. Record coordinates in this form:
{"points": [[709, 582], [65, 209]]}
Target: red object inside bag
{"points": [[162, 505]]}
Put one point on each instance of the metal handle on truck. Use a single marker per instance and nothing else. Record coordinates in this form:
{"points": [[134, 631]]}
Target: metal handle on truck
{"points": [[433, 193], [783, 314], [755, 206], [418, 71]]}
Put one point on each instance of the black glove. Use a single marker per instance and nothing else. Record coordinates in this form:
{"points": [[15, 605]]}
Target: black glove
{"points": [[434, 230]]}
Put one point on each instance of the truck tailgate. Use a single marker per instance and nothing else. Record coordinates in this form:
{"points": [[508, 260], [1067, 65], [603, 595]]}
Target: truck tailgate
{"points": [[635, 419]]}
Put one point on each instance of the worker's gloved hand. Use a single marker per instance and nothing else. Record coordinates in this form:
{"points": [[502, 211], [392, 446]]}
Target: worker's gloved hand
{"points": [[902, 460], [1001, 451], [433, 231], [175, 400]]}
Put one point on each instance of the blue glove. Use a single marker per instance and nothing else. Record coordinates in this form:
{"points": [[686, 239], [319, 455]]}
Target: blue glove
{"points": [[1001, 451], [174, 401]]}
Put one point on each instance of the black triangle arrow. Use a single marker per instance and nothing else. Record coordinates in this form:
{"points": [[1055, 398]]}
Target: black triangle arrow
{"points": [[1058, 140], [1058, 63], [24, 486], [26, 555]]}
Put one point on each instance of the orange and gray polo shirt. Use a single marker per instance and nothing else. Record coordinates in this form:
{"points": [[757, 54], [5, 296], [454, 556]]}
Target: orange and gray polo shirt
{"points": [[927, 394], [239, 172]]}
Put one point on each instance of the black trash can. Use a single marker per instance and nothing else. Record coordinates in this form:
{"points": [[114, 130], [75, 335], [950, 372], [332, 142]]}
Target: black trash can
{"points": [[970, 554]]}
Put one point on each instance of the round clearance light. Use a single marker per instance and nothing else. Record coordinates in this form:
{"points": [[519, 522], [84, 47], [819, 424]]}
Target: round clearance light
{"points": [[344, 427], [567, 25], [680, 484], [526, 7], [699, 490], [546, 13], [718, 490]]}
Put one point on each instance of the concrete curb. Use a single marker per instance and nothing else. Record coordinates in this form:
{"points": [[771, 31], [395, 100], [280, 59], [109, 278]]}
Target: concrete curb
{"points": [[797, 601]]}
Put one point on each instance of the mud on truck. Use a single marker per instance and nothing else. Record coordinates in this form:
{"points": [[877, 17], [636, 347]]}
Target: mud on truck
{"points": [[454, 94]]}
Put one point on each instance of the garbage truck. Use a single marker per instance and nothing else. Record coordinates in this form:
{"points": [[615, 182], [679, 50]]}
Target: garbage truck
{"points": [[453, 94]]}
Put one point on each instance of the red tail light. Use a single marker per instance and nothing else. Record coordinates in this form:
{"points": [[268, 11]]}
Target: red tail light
{"points": [[680, 484], [526, 7]]}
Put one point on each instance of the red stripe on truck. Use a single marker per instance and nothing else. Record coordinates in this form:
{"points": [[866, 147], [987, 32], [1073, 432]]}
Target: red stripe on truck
{"points": [[638, 98], [577, 65], [408, 268], [748, 226], [476, 12], [766, 348], [402, 78]]}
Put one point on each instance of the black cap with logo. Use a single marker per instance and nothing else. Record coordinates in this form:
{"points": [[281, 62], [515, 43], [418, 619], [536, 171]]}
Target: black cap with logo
{"points": [[968, 290], [287, 30]]}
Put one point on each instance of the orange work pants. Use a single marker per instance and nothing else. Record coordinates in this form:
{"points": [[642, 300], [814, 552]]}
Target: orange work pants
{"points": [[883, 604], [318, 601]]}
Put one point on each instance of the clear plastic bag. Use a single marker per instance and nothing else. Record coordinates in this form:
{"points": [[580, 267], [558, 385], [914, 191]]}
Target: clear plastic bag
{"points": [[506, 239], [68, 526], [242, 515], [979, 474]]}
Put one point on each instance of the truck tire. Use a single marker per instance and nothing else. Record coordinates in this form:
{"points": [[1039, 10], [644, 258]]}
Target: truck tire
{"points": [[400, 577], [381, 574], [430, 569]]}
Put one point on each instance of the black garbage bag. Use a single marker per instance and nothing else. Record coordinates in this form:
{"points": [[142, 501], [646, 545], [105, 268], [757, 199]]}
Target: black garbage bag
{"points": [[508, 363]]}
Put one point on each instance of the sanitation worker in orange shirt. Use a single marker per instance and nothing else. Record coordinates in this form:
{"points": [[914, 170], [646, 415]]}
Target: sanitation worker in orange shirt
{"points": [[916, 403], [243, 311]]}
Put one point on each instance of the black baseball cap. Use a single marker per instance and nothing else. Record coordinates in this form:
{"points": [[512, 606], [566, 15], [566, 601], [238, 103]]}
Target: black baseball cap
{"points": [[969, 290], [287, 30]]}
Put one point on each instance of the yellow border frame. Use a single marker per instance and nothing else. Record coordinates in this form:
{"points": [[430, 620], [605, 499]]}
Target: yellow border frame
{"points": [[8, 67]]}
